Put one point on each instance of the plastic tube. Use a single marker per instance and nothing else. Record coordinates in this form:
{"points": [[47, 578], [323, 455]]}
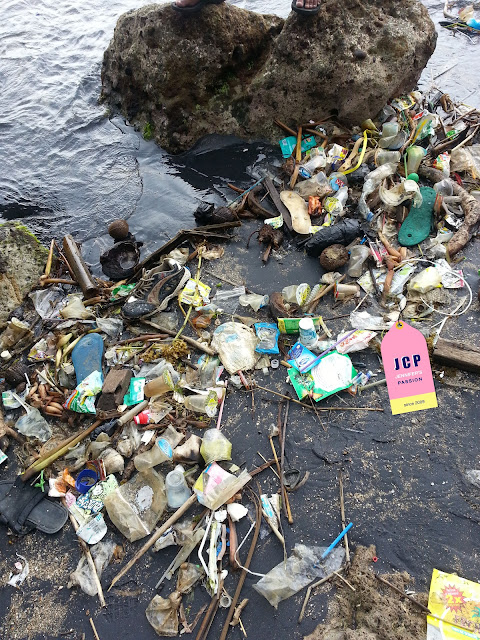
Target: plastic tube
{"points": [[336, 541]]}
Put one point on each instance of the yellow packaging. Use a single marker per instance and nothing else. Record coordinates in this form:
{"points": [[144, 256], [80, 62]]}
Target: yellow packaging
{"points": [[455, 606]]}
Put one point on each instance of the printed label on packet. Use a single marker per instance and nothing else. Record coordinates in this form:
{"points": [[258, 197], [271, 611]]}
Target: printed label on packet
{"points": [[165, 447], [407, 370]]}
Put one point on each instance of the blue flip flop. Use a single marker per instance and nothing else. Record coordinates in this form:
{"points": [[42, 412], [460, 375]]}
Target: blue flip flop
{"points": [[87, 356], [196, 7], [303, 11]]}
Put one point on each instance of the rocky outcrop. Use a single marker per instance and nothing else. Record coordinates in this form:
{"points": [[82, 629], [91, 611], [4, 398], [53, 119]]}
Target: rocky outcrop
{"points": [[231, 71], [22, 262]]}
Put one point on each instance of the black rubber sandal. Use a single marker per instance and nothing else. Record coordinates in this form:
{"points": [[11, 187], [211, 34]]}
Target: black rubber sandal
{"points": [[304, 12], [24, 508], [196, 7]]}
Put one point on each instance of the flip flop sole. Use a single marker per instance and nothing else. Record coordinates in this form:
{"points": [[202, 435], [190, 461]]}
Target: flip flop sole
{"points": [[87, 356], [418, 224]]}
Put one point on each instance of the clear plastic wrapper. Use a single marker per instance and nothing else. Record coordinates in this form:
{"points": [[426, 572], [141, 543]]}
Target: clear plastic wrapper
{"points": [[235, 344], [215, 446], [34, 425]]}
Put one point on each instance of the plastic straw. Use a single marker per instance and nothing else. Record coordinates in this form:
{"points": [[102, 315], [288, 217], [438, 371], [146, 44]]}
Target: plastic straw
{"points": [[336, 541]]}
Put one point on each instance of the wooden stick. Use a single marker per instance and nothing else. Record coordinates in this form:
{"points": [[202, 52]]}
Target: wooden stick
{"points": [[190, 341], [59, 451], [344, 522], [350, 586], [401, 593], [282, 465], [284, 127], [298, 157], [243, 575], [97, 637], [57, 281], [154, 537], [48, 266], [265, 460], [275, 393], [309, 592], [88, 555]]}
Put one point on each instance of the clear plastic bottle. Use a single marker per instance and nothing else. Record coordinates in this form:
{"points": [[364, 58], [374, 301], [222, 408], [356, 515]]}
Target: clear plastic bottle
{"points": [[335, 204], [177, 489], [161, 451], [358, 255], [316, 160]]}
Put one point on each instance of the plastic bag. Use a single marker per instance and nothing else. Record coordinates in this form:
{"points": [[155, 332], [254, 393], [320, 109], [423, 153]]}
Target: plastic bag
{"points": [[466, 160], [235, 344], [34, 425], [364, 320], [162, 614], [428, 279], [76, 309], [255, 300], [302, 567], [82, 400], [215, 446], [136, 506], [102, 553], [188, 575], [47, 301], [227, 299], [268, 334], [343, 232], [113, 327]]}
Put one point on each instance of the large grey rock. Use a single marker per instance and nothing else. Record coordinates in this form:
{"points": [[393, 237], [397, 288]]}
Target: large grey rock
{"points": [[231, 71], [22, 262]]}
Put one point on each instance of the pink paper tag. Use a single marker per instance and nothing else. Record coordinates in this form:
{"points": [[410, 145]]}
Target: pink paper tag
{"points": [[407, 370]]}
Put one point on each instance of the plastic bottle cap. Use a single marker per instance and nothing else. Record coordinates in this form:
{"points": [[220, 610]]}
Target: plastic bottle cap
{"points": [[413, 176], [85, 480]]}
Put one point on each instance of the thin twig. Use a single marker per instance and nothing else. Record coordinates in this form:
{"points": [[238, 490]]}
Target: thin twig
{"points": [[344, 522], [97, 637], [309, 592], [401, 593]]}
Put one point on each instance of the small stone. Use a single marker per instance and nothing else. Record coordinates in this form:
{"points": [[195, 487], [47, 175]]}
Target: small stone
{"points": [[359, 54]]}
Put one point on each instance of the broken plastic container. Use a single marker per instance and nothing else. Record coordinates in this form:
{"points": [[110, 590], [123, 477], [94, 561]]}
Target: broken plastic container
{"points": [[161, 451]]}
